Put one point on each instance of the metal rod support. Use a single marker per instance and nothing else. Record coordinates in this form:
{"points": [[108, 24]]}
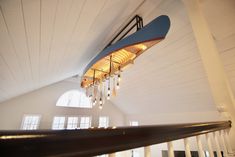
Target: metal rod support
{"points": [[100, 70], [94, 78], [113, 61], [138, 24]]}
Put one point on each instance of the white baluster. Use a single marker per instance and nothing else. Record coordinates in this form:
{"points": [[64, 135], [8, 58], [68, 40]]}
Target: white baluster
{"points": [[223, 143], [147, 151], [208, 139], [199, 144], [227, 141], [170, 149], [187, 148], [218, 150], [112, 155]]}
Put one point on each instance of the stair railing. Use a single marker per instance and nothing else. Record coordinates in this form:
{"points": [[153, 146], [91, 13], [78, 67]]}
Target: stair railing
{"points": [[97, 141]]}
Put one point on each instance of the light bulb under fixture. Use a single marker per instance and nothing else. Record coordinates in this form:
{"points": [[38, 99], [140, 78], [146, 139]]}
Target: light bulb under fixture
{"points": [[94, 102], [109, 91], [119, 77], [101, 106], [118, 56], [118, 86], [90, 96], [101, 102], [142, 46]]}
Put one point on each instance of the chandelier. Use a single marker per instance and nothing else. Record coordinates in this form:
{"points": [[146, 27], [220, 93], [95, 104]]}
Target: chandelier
{"points": [[102, 76]]}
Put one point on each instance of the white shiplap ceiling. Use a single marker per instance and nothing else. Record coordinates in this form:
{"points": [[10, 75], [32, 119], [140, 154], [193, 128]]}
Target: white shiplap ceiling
{"points": [[220, 16], [169, 77], [45, 41]]}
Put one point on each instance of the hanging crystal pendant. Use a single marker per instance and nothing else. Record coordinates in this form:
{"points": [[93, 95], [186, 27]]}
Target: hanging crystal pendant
{"points": [[101, 95], [118, 85], [104, 91], [108, 92], [94, 102], [119, 77], [95, 91], [90, 96], [101, 103], [114, 88], [101, 106], [108, 97], [87, 92]]}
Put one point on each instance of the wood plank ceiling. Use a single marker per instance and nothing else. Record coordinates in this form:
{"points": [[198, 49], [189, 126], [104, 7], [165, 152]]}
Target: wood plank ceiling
{"points": [[169, 77], [220, 16], [45, 41]]}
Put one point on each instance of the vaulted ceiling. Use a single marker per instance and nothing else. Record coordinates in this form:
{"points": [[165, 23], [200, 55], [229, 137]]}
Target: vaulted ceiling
{"points": [[45, 41], [170, 76]]}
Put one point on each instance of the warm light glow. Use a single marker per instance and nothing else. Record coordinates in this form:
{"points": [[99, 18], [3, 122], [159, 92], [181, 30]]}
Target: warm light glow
{"points": [[118, 86], [94, 102], [110, 67], [121, 59], [109, 92], [119, 77], [101, 101], [141, 46], [90, 96], [100, 107], [20, 136]]}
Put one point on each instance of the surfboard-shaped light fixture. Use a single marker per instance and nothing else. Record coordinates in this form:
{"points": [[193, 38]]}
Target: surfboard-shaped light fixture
{"points": [[102, 76]]}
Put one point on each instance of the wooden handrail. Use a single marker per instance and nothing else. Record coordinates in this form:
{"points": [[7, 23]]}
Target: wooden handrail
{"points": [[90, 142]]}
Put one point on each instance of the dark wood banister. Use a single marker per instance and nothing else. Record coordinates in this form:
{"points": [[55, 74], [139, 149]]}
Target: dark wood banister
{"points": [[90, 142]]}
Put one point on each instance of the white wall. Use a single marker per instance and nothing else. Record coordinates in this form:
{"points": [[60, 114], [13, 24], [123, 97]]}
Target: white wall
{"points": [[173, 118], [219, 15], [43, 102], [178, 145]]}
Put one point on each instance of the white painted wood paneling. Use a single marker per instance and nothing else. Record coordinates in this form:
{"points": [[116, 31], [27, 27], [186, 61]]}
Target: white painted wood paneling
{"points": [[45, 41], [169, 77], [48, 16], [15, 23], [220, 15], [31, 14]]}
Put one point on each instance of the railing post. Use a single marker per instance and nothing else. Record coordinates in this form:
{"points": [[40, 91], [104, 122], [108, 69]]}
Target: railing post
{"points": [[147, 151], [208, 139], [112, 155], [227, 141], [187, 148], [218, 150], [170, 149], [199, 144], [223, 143]]}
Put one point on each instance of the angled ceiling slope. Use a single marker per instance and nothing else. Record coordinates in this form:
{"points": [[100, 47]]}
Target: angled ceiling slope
{"points": [[42, 43], [46, 41]]}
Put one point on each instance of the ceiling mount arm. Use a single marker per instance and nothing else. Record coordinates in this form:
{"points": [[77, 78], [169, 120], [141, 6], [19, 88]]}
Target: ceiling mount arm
{"points": [[138, 24], [110, 65], [94, 77]]}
